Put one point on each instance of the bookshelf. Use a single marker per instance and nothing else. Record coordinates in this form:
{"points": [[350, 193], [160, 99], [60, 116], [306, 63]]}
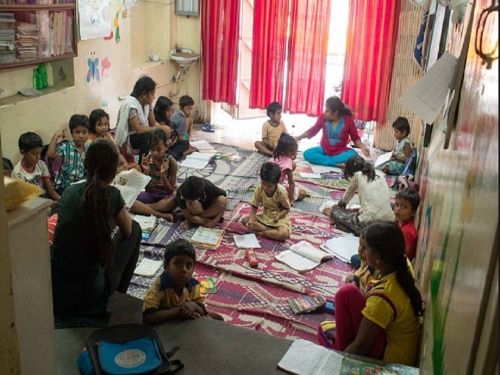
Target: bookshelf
{"points": [[36, 31]]}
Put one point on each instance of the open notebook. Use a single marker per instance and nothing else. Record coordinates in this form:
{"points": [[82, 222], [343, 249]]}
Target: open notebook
{"points": [[303, 256], [343, 247], [197, 160], [208, 238]]}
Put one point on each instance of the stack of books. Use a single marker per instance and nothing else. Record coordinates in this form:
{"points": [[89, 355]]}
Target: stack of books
{"points": [[208, 238], [7, 38], [61, 33], [27, 41], [305, 304]]}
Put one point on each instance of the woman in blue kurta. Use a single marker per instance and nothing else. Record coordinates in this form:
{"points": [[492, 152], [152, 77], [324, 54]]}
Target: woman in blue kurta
{"points": [[338, 127]]}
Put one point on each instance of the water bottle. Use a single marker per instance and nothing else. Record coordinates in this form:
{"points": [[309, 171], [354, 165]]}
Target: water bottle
{"points": [[43, 76]]}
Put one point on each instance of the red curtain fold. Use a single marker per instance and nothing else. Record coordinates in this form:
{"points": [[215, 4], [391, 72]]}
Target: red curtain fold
{"points": [[371, 42], [220, 22], [307, 53], [270, 24]]}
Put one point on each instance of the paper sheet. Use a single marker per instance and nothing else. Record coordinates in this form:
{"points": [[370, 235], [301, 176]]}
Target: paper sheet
{"points": [[354, 203], [306, 358], [427, 97], [318, 169], [342, 247], [147, 223], [246, 241], [148, 267], [384, 158], [203, 146], [310, 175], [196, 160], [130, 183]]}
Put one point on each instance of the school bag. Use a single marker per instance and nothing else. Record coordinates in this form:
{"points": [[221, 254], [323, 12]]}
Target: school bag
{"points": [[126, 349]]}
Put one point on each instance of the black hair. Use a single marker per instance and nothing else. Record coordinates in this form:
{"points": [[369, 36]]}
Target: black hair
{"points": [[7, 166], [270, 172], [143, 86], [402, 124], [78, 120], [157, 135], [411, 195], [178, 247], [28, 141], [193, 188], [162, 104], [387, 240], [100, 163], [95, 116], [286, 145], [334, 104], [272, 108], [356, 164], [185, 100]]}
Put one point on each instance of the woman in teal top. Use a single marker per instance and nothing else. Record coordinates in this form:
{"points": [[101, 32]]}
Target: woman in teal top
{"points": [[88, 261]]}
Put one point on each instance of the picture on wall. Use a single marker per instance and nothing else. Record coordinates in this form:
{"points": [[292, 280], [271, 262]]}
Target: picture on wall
{"points": [[94, 18]]}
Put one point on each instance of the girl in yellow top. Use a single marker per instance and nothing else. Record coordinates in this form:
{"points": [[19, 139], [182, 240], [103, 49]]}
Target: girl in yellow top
{"points": [[384, 322], [274, 221]]}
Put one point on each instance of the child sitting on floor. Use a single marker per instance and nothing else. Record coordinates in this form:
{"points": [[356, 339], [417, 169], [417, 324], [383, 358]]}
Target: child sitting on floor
{"points": [[284, 156], [374, 198], [384, 322], [271, 130], [405, 208], [164, 110], [72, 152], [31, 169], [176, 294], [161, 167], [202, 202], [402, 150], [182, 123], [274, 221]]}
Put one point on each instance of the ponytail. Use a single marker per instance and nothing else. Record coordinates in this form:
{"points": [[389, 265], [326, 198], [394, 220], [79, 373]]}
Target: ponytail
{"points": [[357, 164], [387, 240]]}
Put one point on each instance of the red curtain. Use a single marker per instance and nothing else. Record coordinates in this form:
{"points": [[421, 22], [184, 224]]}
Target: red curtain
{"points": [[270, 24], [307, 51], [371, 42], [220, 22]]}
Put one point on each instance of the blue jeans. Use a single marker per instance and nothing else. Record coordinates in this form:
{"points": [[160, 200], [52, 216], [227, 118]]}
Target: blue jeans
{"points": [[316, 155]]}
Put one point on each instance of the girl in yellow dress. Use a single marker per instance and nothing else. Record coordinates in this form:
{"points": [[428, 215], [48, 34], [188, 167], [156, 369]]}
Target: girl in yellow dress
{"points": [[274, 221]]}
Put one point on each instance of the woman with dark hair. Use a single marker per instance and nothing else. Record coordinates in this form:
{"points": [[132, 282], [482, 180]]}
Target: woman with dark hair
{"points": [[136, 120], [89, 260], [338, 127]]}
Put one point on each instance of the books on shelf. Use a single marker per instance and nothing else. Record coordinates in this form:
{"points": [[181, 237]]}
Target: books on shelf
{"points": [[343, 247], [7, 38], [208, 238], [305, 304], [303, 256]]}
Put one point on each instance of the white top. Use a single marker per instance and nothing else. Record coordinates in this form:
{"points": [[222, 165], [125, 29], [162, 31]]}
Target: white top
{"points": [[35, 177], [374, 198]]}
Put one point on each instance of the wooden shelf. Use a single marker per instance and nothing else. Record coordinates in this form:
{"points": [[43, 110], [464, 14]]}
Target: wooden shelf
{"points": [[18, 98], [36, 62], [28, 7]]}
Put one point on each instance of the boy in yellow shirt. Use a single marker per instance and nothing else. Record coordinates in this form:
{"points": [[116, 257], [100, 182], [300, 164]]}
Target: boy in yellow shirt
{"points": [[271, 130], [175, 294]]}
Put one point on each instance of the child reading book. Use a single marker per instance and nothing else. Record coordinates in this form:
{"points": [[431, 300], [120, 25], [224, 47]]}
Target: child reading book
{"points": [[176, 294], [402, 150], [274, 222]]}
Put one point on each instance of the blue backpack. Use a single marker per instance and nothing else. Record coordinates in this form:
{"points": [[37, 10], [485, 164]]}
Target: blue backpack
{"points": [[126, 349]]}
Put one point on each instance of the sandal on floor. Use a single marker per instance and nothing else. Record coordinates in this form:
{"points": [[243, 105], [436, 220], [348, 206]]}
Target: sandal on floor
{"points": [[207, 127]]}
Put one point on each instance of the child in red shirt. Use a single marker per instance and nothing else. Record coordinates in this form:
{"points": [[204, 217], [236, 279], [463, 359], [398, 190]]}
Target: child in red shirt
{"points": [[407, 201]]}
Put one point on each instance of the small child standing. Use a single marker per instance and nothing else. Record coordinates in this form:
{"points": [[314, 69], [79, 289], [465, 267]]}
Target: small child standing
{"points": [[202, 202], [274, 222], [31, 169], [181, 123], [402, 150], [271, 130], [374, 198], [161, 167], [284, 155], [175, 294], [405, 208], [71, 152]]}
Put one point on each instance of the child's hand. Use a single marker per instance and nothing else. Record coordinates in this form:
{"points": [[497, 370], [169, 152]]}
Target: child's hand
{"points": [[365, 150], [164, 167], [276, 219], [145, 161], [191, 310], [249, 224]]}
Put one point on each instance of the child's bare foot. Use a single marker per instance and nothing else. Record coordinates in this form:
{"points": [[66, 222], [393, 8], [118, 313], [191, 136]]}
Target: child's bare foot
{"points": [[328, 211], [303, 194]]}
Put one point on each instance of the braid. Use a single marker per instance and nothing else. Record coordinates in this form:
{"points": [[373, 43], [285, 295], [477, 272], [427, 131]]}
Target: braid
{"points": [[407, 282]]}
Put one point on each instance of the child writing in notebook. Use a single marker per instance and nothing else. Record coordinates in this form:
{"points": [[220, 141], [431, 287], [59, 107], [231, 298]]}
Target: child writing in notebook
{"points": [[161, 167], [405, 208], [374, 198], [384, 322], [402, 150], [284, 156], [31, 169], [176, 294], [274, 221], [271, 130]]}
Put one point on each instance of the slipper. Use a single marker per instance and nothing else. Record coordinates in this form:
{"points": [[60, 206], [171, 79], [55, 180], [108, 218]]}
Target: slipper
{"points": [[207, 127]]}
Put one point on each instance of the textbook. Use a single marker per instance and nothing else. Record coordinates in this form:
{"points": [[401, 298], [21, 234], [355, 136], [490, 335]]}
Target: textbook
{"points": [[343, 247], [305, 304], [147, 224], [148, 267], [130, 183], [208, 238], [303, 256]]}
